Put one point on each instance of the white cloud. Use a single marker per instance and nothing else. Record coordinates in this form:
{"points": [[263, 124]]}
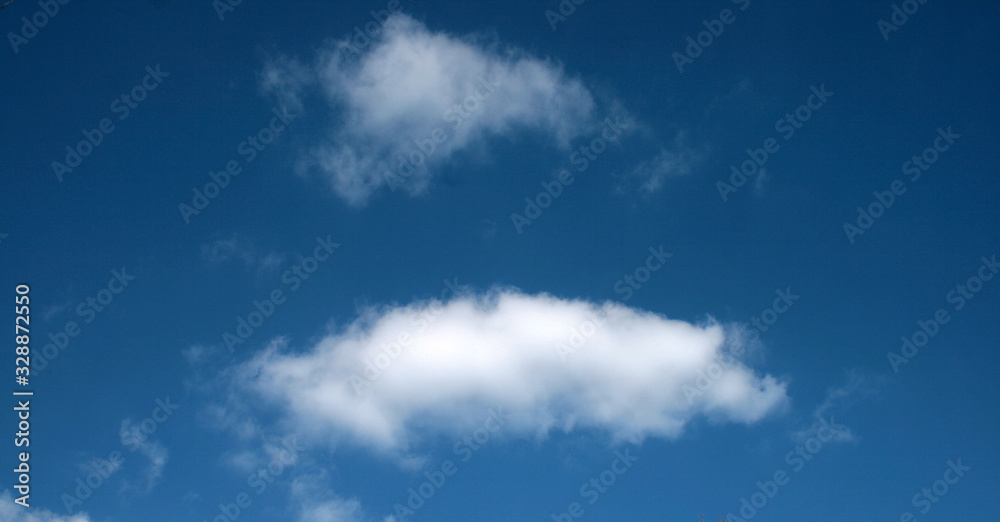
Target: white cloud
{"points": [[234, 417], [238, 247], [499, 350], [761, 182], [100, 465], [317, 504], [131, 436], [197, 354], [331, 511], [222, 250], [840, 399], [261, 453], [285, 78], [11, 512], [53, 311], [271, 261], [411, 81], [677, 160]]}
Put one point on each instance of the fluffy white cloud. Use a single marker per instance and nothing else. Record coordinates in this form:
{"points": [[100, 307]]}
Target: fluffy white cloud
{"points": [[436, 368], [412, 83], [11, 512]]}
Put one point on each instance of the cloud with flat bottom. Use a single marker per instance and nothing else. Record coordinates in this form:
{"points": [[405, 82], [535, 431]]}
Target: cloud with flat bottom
{"points": [[399, 373]]}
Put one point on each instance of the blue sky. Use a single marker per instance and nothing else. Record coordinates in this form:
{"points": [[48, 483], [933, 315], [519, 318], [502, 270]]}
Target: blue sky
{"points": [[397, 261]]}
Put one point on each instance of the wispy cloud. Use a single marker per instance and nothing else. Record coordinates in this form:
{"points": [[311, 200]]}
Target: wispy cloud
{"points": [[154, 451], [285, 78], [318, 504], [761, 183], [837, 401], [239, 248], [649, 176], [198, 354], [55, 310]]}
